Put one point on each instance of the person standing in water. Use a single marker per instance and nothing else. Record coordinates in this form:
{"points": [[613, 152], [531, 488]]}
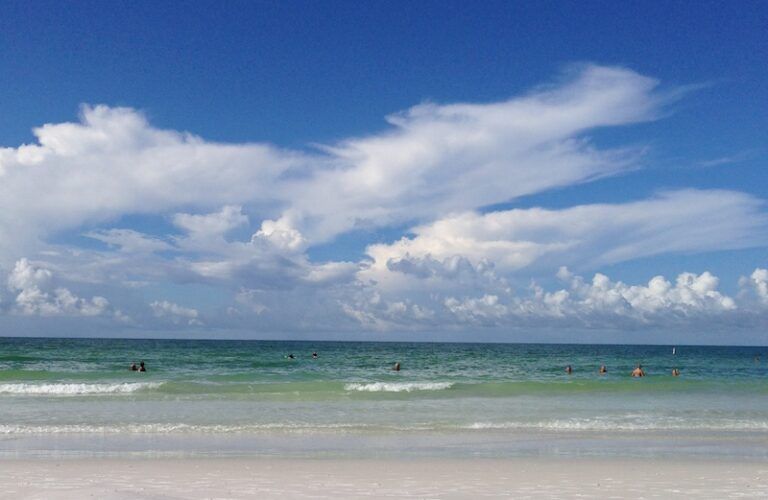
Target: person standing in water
{"points": [[675, 372], [603, 370], [638, 372], [142, 368], [133, 367], [396, 367], [568, 369]]}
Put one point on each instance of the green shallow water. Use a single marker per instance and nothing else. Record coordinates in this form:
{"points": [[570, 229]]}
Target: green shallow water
{"points": [[84, 387]]}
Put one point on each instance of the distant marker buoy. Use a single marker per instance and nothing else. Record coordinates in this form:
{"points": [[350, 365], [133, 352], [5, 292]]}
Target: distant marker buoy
{"points": [[673, 350]]}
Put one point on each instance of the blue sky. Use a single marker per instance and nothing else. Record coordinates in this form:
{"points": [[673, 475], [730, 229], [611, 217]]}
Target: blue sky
{"points": [[419, 170]]}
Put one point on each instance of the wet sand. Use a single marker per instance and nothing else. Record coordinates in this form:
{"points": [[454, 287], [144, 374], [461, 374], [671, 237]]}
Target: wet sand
{"points": [[174, 478]]}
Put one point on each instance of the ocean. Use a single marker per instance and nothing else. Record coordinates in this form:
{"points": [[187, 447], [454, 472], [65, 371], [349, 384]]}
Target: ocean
{"points": [[75, 397]]}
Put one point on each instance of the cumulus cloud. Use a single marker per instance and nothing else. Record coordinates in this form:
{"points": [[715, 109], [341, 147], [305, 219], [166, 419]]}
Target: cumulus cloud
{"points": [[272, 258], [485, 309], [112, 163], [176, 313], [756, 286], [585, 236], [36, 295], [368, 309], [690, 295], [759, 279], [280, 234], [463, 266], [597, 303]]}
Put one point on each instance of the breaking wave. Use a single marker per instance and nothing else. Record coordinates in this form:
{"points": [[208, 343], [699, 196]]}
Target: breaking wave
{"points": [[64, 389], [399, 386]]}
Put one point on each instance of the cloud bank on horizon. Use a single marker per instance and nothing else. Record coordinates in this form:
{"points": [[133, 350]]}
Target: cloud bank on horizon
{"points": [[240, 222]]}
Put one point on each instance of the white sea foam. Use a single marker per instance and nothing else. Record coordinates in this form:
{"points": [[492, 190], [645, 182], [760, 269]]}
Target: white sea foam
{"points": [[346, 428], [178, 428], [612, 425], [399, 386], [68, 389]]}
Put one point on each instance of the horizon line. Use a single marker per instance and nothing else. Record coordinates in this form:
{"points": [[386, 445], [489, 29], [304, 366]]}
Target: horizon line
{"points": [[368, 341]]}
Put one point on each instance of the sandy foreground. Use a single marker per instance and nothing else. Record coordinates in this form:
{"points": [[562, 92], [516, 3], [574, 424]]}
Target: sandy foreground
{"points": [[231, 478]]}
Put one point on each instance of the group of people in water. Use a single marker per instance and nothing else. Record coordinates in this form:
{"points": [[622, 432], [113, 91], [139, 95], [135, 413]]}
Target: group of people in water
{"points": [[395, 367], [637, 372], [291, 356]]}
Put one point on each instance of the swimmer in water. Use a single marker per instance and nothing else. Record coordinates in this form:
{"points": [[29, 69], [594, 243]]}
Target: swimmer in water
{"points": [[134, 368], [314, 355], [290, 356], [568, 369], [396, 367], [675, 372], [142, 368], [603, 370], [638, 372]]}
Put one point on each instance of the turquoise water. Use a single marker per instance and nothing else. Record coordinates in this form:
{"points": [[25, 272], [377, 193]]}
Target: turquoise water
{"points": [[222, 395]]}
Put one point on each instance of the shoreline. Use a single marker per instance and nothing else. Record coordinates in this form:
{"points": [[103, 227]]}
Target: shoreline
{"points": [[156, 478], [488, 444]]}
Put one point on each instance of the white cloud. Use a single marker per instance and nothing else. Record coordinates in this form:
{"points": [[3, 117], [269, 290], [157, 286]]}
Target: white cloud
{"points": [[176, 313], [129, 241], [446, 158], [757, 284], [599, 303], [485, 308], [586, 236], [252, 299], [114, 163], [273, 258], [26, 275], [280, 234], [35, 294], [331, 273], [207, 229], [434, 159], [691, 295], [368, 309], [760, 281], [246, 218]]}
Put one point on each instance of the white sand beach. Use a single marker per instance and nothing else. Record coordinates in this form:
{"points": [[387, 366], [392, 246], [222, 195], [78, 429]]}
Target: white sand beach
{"points": [[235, 478]]}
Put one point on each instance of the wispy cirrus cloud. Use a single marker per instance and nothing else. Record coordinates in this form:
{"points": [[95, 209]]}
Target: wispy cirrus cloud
{"points": [[434, 159]]}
